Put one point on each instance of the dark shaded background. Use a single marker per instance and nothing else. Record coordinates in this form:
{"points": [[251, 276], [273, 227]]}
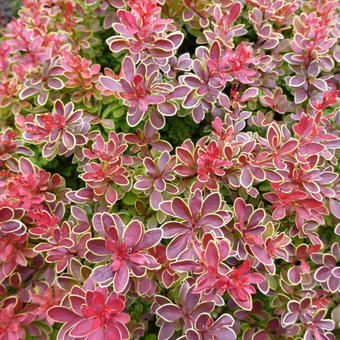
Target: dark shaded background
{"points": [[8, 8]]}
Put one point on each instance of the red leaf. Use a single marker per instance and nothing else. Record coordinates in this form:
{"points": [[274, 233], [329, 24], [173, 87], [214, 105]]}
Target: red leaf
{"points": [[61, 314]]}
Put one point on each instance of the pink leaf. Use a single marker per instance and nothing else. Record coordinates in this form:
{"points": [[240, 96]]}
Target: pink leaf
{"points": [[83, 327], [121, 278], [311, 148], [133, 234]]}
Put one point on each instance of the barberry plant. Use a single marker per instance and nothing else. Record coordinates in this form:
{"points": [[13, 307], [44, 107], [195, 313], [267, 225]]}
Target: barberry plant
{"points": [[169, 170]]}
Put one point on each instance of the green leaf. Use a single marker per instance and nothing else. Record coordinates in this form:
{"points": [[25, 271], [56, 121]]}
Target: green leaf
{"points": [[265, 187], [130, 198], [118, 112]]}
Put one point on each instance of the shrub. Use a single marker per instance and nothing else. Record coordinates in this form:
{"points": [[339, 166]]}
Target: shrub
{"points": [[168, 170]]}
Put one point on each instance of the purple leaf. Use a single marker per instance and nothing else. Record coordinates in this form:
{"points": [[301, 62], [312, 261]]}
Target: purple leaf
{"points": [[111, 84], [180, 209], [169, 312]]}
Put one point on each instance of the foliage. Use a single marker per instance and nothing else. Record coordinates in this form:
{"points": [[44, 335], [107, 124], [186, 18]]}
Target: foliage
{"points": [[168, 170]]}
